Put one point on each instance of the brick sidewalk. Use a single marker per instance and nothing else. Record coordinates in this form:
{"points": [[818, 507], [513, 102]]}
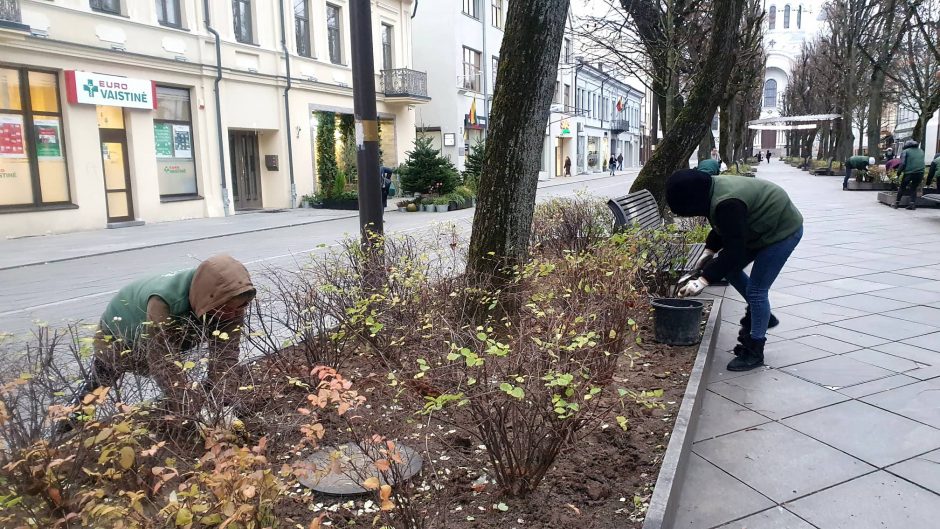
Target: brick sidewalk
{"points": [[842, 429]]}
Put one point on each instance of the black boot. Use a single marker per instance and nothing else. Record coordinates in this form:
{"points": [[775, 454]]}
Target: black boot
{"points": [[912, 207], [751, 355], [745, 329]]}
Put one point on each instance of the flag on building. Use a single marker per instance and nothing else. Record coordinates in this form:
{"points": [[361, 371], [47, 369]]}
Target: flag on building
{"points": [[473, 112], [620, 104]]}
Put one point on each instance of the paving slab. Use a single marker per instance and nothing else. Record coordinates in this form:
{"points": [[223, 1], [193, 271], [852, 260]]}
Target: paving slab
{"points": [[839, 333], [919, 401], [876, 501], [815, 291], [878, 437], [909, 295], [822, 311], [883, 360], [776, 394], [911, 352], [893, 329], [837, 371], [876, 386], [719, 416], [854, 284], [705, 493], [779, 462], [780, 353], [776, 518], [869, 303], [923, 470], [828, 344], [928, 341], [919, 313]]}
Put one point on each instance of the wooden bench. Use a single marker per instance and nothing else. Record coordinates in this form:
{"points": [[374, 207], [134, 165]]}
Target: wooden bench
{"points": [[641, 210], [827, 171]]}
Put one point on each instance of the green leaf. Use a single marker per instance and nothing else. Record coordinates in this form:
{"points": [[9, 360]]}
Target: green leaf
{"points": [[502, 507], [184, 517], [623, 422]]}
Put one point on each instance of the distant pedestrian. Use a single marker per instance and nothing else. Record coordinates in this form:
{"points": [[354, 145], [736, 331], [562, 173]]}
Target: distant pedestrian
{"points": [[612, 164], [768, 155], [620, 162], [933, 172], [860, 163], [760, 156], [385, 175], [715, 155], [912, 164], [567, 166]]}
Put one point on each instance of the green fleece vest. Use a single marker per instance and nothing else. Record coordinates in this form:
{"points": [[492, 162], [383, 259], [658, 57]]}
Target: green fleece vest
{"points": [[771, 216], [914, 162], [125, 315], [858, 162], [710, 166]]}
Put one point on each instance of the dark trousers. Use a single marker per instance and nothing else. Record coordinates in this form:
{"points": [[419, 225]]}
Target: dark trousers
{"points": [[848, 174], [909, 184], [931, 174]]}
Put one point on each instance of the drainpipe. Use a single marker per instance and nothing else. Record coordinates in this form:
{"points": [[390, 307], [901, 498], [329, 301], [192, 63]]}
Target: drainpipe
{"points": [[486, 66], [290, 130], [218, 104]]}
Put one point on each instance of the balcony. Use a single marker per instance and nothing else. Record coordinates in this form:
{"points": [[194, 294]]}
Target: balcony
{"points": [[402, 85], [619, 125], [10, 17]]}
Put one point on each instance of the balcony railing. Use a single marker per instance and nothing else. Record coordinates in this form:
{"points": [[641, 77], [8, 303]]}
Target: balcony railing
{"points": [[619, 125], [10, 12], [402, 82]]}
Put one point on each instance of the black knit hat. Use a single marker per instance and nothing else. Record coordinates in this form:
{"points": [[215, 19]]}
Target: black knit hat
{"points": [[688, 193]]}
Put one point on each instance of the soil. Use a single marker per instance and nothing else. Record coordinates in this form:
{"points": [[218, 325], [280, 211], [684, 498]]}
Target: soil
{"points": [[602, 480]]}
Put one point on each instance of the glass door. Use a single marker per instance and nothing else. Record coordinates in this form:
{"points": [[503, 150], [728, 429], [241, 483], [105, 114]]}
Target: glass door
{"points": [[114, 162]]}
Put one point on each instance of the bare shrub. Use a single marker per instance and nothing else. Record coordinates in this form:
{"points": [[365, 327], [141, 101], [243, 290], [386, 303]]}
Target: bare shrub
{"points": [[569, 224]]}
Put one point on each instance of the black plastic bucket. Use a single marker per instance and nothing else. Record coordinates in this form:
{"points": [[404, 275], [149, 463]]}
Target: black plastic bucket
{"points": [[677, 321]]}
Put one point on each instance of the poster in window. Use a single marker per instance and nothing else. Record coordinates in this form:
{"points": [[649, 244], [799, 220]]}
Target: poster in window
{"points": [[163, 139], [48, 138], [11, 136], [182, 141]]}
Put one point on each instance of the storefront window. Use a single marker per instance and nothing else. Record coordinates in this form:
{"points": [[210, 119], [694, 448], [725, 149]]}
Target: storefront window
{"points": [[33, 170], [173, 141]]}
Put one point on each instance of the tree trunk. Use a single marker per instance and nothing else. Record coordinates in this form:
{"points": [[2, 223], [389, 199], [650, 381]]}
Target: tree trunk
{"points": [[695, 118], [726, 144], [874, 113], [919, 134], [528, 68]]}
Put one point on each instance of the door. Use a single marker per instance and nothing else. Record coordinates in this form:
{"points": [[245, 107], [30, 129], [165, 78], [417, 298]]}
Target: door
{"points": [[246, 170], [117, 182], [768, 139]]}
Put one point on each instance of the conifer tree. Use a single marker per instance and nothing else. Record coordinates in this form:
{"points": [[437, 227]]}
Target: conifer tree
{"points": [[426, 171]]}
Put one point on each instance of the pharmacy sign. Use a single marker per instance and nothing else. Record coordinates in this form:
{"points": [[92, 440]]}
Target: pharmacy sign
{"points": [[109, 90]]}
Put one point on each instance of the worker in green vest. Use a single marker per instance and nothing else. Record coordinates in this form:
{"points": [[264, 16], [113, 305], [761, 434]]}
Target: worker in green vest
{"points": [[860, 163], [151, 322], [752, 222], [933, 172], [912, 167], [710, 166]]}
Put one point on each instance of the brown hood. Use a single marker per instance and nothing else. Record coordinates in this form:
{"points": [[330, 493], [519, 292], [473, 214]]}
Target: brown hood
{"points": [[217, 280]]}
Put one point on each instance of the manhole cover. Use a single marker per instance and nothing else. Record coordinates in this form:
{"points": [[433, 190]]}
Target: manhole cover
{"points": [[352, 467]]}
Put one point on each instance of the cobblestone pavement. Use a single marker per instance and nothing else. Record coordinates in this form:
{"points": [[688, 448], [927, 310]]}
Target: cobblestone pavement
{"points": [[841, 430]]}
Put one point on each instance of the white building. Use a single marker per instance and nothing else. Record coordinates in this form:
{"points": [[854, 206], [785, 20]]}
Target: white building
{"points": [[789, 24], [457, 43], [108, 107]]}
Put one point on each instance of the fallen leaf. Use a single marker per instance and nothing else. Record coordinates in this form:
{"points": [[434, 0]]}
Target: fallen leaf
{"points": [[371, 483], [573, 508], [127, 457]]}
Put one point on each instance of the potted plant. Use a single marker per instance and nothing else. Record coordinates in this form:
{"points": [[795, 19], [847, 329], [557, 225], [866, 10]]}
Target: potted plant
{"points": [[441, 204]]}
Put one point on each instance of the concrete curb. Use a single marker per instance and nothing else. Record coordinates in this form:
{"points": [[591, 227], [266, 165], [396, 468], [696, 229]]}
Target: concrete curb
{"points": [[662, 510]]}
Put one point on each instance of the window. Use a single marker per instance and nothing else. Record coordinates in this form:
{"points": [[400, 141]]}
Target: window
{"points": [[333, 36], [772, 18], [799, 16], [168, 13], [556, 98], [387, 62], [470, 8], [33, 171], [173, 143], [495, 68], [786, 17], [770, 94], [302, 27], [107, 6], [496, 13], [568, 51], [471, 69], [241, 9], [567, 96]]}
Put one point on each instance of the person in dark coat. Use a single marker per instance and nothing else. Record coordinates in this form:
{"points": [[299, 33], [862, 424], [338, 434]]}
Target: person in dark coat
{"points": [[612, 164], [933, 172], [620, 162], [855, 162], [385, 175], [768, 155], [567, 166], [912, 165], [753, 221], [760, 156]]}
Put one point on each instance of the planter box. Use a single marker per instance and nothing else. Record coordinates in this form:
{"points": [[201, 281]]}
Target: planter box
{"points": [[427, 207], [888, 198], [441, 208], [339, 204], [870, 186], [662, 510]]}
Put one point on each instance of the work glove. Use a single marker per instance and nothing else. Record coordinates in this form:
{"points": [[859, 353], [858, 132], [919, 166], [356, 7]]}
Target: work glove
{"points": [[707, 256], [692, 288]]}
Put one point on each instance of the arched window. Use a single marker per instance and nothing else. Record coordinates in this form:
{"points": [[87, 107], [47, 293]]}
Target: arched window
{"points": [[786, 17], [799, 16], [770, 94], [772, 18]]}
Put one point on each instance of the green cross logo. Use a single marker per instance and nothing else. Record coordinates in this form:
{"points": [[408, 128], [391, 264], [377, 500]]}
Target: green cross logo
{"points": [[90, 87]]}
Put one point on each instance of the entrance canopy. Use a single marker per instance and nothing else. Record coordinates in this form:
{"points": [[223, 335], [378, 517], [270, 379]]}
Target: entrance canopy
{"points": [[791, 122]]}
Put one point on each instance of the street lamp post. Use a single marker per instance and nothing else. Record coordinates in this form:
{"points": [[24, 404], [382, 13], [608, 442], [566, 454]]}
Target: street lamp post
{"points": [[367, 126]]}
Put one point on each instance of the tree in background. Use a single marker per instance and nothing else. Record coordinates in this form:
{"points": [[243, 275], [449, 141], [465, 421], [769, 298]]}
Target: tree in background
{"points": [[742, 99], [347, 138], [326, 153], [916, 71], [473, 165], [880, 42], [426, 171], [528, 67]]}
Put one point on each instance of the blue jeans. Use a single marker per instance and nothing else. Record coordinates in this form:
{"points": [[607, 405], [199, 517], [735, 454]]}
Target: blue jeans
{"points": [[755, 289]]}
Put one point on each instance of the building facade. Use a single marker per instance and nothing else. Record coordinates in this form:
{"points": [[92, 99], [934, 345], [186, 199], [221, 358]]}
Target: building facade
{"points": [[109, 114], [458, 42]]}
